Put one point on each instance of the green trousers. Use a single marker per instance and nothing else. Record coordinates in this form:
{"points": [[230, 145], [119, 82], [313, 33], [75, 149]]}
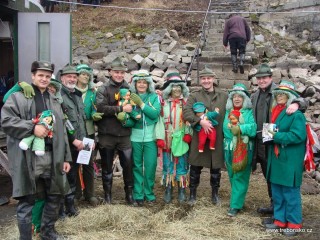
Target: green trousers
{"points": [[239, 181], [37, 214], [144, 156]]}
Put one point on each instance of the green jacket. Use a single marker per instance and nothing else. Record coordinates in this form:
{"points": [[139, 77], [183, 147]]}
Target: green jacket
{"points": [[89, 102], [248, 127], [16, 121], [217, 98], [287, 168], [150, 112]]}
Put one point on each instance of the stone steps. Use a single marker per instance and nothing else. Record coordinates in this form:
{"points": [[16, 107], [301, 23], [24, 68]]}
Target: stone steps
{"points": [[213, 53]]}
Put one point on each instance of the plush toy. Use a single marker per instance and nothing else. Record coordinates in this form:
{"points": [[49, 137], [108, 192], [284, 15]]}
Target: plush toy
{"points": [[201, 111], [234, 117], [240, 151], [124, 100], [46, 118]]}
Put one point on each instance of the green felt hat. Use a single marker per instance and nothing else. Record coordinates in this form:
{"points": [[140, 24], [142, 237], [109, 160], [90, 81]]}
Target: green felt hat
{"points": [[264, 70], [118, 65]]}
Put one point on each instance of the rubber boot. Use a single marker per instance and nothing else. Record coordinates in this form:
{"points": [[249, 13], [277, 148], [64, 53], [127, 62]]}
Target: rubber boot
{"points": [[71, 210], [62, 214], [129, 196], [266, 210], [168, 194], [49, 217], [181, 194], [24, 213], [107, 173], [125, 158], [234, 63], [215, 176], [242, 57], [194, 183]]}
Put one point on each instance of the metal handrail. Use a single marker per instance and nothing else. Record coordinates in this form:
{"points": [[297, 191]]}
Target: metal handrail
{"points": [[196, 51]]}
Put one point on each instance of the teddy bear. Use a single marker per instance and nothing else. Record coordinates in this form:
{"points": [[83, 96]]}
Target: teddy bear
{"points": [[46, 118]]}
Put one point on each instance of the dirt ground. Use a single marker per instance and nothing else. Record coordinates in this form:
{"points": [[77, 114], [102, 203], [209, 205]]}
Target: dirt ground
{"points": [[175, 214]]}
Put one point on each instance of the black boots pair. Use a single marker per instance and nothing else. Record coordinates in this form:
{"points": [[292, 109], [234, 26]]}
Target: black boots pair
{"points": [[107, 173], [168, 194], [235, 63], [215, 176], [49, 218]]}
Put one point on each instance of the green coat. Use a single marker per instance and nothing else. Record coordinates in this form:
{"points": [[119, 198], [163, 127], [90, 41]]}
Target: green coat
{"points": [[247, 126], [150, 113], [217, 98], [16, 121], [287, 168]]}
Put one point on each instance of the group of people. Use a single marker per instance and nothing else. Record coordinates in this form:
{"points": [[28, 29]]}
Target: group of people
{"points": [[207, 128]]}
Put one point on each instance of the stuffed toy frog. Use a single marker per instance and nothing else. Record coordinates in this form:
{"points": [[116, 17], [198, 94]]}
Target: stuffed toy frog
{"points": [[46, 118]]}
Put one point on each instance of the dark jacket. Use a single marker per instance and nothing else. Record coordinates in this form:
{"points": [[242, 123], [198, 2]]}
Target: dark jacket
{"points": [[211, 100], [108, 104], [16, 121], [236, 27], [74, 109]]}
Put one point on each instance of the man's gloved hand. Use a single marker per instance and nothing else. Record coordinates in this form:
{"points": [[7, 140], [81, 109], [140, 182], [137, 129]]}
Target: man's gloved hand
{"points": [[28, 90], [187, 138], [235, 130], [136, 99], [271, 132], [160, 143], [121, 116], [97, 116]]}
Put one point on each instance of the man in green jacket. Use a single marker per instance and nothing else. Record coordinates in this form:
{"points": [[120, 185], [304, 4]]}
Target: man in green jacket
{"points": [[45, 179], [213, 98]]}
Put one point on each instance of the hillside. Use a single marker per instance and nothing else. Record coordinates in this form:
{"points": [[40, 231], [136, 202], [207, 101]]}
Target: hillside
{"points": [[88, 20]]}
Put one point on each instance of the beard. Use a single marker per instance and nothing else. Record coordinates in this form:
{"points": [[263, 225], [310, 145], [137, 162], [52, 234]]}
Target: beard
{"points": [[71, 86]]}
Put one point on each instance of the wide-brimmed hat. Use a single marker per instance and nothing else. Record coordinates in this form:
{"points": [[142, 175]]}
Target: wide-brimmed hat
{"points": [[198, 107], [42, 65], [240, 87], [173, 77], [241, 90], [68, 70], [264, 70], [286, 87], [118, 65], [142, 74]]}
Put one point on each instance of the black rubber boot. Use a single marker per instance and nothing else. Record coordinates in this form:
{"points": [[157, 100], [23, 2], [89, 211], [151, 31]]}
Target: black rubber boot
{"points": [[215, 176], [49, 217], [107, 173], [234, 63], [242, 57], [125, 157], [62, 214], [194, 183], [266, 210], [24, 213], [168, 194], [129, 196], [71, 210]]}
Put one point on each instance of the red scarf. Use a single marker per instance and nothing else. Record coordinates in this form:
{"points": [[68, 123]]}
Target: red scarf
{"points": [[276, 111], [274, 115]]}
